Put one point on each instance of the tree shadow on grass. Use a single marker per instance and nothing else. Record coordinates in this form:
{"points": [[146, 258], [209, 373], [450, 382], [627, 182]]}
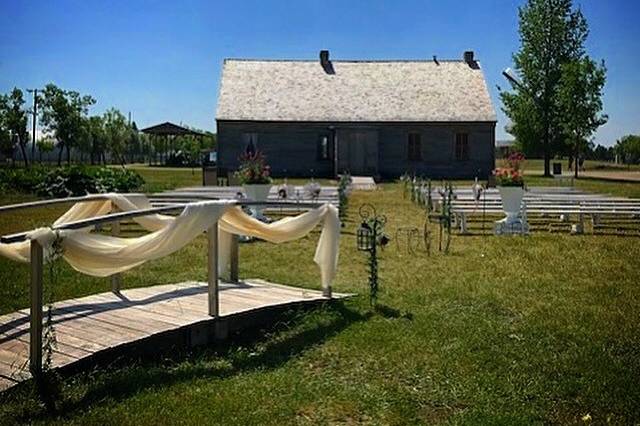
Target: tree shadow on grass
{"points": [[291, 334]]}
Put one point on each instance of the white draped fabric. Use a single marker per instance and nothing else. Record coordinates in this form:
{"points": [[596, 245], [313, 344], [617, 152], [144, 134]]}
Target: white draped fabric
{"points": [[102, 255], [235, 221]]}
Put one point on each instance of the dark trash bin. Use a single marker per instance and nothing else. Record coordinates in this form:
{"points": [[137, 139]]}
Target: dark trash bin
{"points": [[557, 168], [210, 176], [209, 169]]}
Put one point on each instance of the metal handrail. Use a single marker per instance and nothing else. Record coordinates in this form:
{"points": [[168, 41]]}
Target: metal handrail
{"points": [[116, 217]]}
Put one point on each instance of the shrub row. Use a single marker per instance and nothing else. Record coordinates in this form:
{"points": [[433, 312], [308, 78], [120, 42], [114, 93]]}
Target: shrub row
{"points": [[69, 181]]}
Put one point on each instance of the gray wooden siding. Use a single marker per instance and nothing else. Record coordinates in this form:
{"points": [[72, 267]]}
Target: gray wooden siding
{"points": [[438, 151], [291, 148]]}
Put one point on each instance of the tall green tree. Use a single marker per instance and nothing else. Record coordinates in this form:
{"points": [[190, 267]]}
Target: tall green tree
{"points": [[552, 33], [134, 147], [63, 113], [603, 153], [117, 133], [45, 144], [6, 141], [13, 122], [97, 138], [580, 101], [84, 141], [628, 149]]}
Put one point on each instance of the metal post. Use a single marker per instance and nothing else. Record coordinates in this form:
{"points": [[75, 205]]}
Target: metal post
{"points": [[580, 225], [462, 218], [116, 279], [233, 267], [35, 119], [212, 264], [326, 292], [35, 330]]}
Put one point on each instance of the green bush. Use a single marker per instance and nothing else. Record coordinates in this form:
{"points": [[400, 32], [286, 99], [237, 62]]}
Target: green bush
{"points": [[21, 180], [117, 180], [69, 181]]}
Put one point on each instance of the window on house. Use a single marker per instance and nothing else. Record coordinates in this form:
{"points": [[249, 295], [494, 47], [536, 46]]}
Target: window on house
{"points": [[462, 146], [324, 147], [414, 147], [250, 143]]}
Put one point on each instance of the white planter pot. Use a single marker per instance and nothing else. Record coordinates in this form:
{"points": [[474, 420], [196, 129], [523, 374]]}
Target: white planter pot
{"points": [[511, 202], [258, 192]]}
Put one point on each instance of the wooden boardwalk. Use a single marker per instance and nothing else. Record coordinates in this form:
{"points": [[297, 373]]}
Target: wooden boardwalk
{"points": [[142, 319]]}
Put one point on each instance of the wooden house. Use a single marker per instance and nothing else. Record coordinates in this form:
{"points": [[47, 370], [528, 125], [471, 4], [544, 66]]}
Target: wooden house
{"points": [[378, 118]]}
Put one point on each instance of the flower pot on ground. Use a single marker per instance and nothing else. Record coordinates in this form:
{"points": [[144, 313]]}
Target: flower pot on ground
{"points": [[510, 182], [257, 192], [511, 202], [255, 176]]}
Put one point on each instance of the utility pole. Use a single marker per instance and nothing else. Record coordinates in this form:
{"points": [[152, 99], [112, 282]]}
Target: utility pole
{"points": [[35, 118]]}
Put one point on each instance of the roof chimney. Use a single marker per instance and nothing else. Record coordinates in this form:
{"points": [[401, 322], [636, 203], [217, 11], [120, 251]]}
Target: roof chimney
{"points": [[327, 66], [324, 57], [468, 56]]}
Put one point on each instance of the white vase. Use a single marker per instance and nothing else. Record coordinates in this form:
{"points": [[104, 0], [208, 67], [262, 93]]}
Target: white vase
{"points": [[257, 192], [511, 202]]}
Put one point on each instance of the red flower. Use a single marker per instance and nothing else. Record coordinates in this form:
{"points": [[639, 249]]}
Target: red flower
{"points": [[253, 168]]}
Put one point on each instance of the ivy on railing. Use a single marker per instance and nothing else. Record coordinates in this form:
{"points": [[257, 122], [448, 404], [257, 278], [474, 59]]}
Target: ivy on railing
{"points": [[49, 338]]}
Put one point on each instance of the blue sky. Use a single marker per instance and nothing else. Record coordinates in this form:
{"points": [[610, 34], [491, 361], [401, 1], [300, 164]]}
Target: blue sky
{"points": [[162, 60]]}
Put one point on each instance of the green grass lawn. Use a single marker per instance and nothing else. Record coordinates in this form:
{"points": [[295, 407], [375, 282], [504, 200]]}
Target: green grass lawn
{"points": [[536, 165], [163, 178], [541, 329]]}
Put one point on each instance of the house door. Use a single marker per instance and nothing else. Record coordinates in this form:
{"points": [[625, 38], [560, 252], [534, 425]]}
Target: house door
{"points": [[362, 152]]}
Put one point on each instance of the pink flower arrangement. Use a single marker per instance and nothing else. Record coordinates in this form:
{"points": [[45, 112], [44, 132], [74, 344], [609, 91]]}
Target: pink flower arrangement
{"points": [[512, 174], [515, 160], [253, 169]]}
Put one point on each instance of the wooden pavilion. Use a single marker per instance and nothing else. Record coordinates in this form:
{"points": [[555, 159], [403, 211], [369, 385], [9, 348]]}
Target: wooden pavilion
{"points": [[169, 131]]}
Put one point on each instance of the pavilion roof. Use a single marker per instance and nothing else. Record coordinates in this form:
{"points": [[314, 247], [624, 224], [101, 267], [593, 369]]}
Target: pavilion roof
{"points": [[171, 129]]}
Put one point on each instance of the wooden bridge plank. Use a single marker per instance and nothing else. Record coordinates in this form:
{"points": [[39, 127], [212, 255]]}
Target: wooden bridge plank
{"points": [[6, 383], [152, 313], [16, 369], [95, 332], [91, 324], [258, 293], [69, 344], [192, 298], [103, 330], [11, 359]]}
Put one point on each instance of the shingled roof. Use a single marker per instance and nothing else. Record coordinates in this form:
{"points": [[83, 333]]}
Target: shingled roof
{"points": [[354, 91]]}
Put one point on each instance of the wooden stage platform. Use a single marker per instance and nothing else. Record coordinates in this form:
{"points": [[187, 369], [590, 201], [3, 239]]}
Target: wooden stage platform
{"points": [[143, 320]]}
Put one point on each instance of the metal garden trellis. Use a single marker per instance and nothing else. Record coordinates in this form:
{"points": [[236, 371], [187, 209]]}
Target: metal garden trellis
{"points": [[370, 234]]}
